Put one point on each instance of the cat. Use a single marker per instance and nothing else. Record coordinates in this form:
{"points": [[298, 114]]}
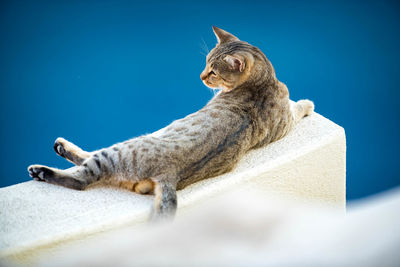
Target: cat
{"points": [[252, 109]]}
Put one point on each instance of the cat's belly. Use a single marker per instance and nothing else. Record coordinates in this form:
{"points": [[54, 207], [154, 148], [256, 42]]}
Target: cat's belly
{"points": [[194, 174], [189, 163], [216, 161], [198, 147]]}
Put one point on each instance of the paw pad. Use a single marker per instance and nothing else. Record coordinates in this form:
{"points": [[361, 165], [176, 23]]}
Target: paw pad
{"points": [[36, 173], [59, 149]]}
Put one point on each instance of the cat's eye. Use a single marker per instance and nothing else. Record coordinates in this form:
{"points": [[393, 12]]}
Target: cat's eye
{"points": [[211, 73]]}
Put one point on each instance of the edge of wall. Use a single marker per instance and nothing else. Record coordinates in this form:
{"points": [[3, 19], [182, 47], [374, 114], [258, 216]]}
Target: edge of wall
{"points": [[309, 165]]}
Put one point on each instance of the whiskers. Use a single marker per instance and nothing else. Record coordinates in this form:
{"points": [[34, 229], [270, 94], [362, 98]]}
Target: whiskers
{"points": [[204, 48], [205, 51]]}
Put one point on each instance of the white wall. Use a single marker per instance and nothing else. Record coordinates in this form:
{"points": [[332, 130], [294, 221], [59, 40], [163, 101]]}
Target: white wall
{"points": [[308, 165]]}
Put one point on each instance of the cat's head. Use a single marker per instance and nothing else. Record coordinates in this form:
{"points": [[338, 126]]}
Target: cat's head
{"points": [[233, 62]]}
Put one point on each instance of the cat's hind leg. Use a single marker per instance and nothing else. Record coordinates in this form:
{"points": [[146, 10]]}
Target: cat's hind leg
{"points": [[301, 109], [165, 200], [72, 178], [99, 165], [70, 152]]}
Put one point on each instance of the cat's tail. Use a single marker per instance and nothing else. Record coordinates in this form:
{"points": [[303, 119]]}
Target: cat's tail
{"points": [[165, 201], [301, 109]]}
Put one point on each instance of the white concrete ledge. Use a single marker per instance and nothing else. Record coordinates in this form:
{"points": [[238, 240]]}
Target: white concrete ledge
{"points": [[308, 164]]}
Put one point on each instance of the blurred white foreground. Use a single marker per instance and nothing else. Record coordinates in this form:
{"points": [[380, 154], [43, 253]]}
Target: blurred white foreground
{"points": [[248, 228]]}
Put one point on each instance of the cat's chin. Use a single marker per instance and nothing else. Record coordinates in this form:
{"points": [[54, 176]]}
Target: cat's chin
{"points": [[225, 89], [217, 88]]}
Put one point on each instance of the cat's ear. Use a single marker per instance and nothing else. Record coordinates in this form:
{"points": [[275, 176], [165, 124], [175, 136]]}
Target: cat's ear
{"points": [[224, 36], [235, 62]]}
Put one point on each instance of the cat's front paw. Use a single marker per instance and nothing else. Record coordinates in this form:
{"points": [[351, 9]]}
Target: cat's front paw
{"points": [[39, 172], [307, 105]]}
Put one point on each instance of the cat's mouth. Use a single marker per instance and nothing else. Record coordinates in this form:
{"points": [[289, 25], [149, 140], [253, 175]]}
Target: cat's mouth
{"points": [[209, 84], [212, 86]]}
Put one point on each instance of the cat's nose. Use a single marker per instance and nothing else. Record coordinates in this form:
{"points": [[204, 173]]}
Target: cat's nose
{"points": [[203, 75]]}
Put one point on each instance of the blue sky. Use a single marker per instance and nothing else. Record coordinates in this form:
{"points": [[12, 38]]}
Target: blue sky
{"points": [[100, 72]]}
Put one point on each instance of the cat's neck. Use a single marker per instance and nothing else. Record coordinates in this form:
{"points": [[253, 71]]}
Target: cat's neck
{"points": [[255, 86]]}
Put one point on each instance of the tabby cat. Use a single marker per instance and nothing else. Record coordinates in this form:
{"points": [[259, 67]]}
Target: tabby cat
{"points": [[251, 109]]}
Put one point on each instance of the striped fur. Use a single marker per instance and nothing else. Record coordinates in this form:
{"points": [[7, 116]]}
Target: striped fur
{"points": [[252, 110]]}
